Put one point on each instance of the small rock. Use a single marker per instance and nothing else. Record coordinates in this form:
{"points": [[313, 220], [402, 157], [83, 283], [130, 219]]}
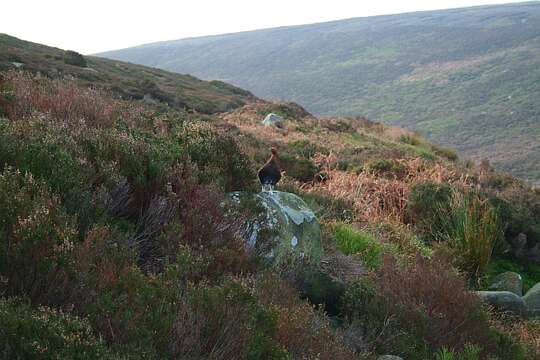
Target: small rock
{"points": [[507, 281], [532, 301], [273, 120], [504, 301], [389, 357], [149, 99]]}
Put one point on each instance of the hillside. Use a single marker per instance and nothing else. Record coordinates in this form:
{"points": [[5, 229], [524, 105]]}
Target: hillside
{"points": [[133, 230], [466, 78], [125, 80]]}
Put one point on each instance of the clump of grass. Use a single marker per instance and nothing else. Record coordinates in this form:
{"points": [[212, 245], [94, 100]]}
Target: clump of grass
{"points": [[466, 222], [357, 242], [473, 230], [470, 352]]}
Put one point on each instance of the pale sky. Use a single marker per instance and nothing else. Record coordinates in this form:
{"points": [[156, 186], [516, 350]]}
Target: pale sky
{"points": [[93, 26]]}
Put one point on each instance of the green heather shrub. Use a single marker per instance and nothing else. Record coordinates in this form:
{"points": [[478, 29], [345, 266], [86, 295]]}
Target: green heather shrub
{"points": [[445, 152], [299, 169], [417, 310], [517, 218], [42, 148], [225, 322], [384, 166], [305, 149], [358, 242], [37, 239], [320, 289], [427, 202], [427, 150], [218, 157], [288, 110], [74, 58], [418, 147], [411, 140], [64, 101], [45, 333], [201, 222], [87, 130], [430, 301], [302, 330], [134, 311], [149, 87], [229, 88], [368, 323]]}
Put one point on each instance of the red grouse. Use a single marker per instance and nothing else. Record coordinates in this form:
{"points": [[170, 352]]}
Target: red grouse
{"points": [[270, 173]]}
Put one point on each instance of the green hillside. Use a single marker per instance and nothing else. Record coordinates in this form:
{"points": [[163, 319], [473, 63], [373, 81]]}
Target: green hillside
{"points": [[125, 80], [467, 78], [132, 230]]}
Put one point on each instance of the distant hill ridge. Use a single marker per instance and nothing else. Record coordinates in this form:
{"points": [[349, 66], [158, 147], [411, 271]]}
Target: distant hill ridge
{"points": [[467, 78]]}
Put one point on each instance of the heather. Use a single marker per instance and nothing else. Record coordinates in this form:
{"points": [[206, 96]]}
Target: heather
{"points": [[116, 241]]}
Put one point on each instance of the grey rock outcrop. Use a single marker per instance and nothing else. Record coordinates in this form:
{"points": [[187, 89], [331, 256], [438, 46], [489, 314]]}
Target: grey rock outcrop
{"points": [[532, 300], [507, 281], [279, 226], [273, 120], [504, 301]]}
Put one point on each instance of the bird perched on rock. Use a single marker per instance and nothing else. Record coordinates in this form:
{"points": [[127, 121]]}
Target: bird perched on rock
{"points": [[270, 173]]}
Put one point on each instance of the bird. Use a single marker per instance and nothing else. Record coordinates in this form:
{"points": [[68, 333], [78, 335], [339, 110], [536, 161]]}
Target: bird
{"points": [[270, 174]]}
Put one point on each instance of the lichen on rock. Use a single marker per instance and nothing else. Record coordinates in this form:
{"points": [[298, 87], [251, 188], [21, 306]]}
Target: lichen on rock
{"points": [[280, 225]]}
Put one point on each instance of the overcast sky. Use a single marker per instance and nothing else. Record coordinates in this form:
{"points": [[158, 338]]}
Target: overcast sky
{"points": [[92, 26]]}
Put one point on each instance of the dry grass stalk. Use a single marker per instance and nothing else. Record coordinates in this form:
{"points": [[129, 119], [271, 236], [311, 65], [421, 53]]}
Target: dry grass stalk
{"points": [[375, 197]]}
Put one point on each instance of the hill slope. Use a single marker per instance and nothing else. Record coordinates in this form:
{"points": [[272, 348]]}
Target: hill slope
{"points": [[468, 78], [116, 241], [126, 80]]}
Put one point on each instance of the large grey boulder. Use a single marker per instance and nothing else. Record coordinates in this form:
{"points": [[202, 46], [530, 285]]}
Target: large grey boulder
{"points": [[280, 226], [273, 120], [504, 301], [507, 281], [532, 300]]}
